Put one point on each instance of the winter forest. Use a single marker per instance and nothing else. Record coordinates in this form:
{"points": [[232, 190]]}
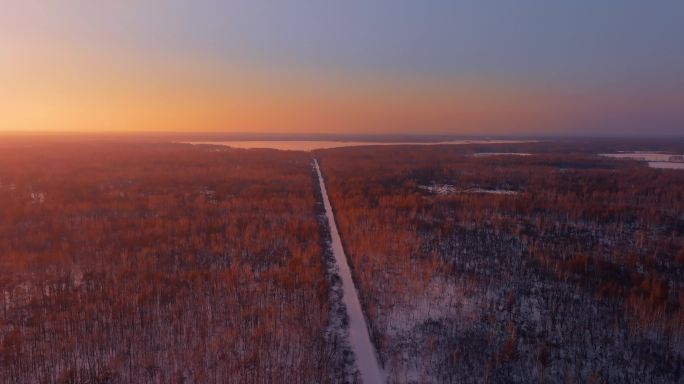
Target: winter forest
{"points": [[473, 266], [126, 261]]}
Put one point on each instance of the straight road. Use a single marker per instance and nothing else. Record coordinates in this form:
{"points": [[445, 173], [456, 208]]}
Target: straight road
{"points": [[366, 359]]}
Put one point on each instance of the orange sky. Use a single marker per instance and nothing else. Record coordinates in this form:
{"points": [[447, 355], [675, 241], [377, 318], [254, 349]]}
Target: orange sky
{"points": [[99, 93], [56, 79], [62, 90]]}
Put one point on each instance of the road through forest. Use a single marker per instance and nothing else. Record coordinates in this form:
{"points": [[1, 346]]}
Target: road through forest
{"points": [[366, 358]]}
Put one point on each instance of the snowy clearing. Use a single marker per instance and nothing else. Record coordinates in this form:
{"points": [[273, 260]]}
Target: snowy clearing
{"points": [[654, 159], [446, 189]]}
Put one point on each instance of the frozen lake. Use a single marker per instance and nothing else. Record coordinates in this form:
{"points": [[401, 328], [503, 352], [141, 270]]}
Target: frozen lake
{"points": [[485, 154], [654, 159], [304, 145]]}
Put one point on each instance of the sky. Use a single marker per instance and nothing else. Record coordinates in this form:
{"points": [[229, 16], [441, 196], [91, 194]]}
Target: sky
{"points": [[524, 67]]}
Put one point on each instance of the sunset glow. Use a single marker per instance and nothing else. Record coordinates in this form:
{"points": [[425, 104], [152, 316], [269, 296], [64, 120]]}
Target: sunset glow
{"points": [[341, 191], [166, 66]]}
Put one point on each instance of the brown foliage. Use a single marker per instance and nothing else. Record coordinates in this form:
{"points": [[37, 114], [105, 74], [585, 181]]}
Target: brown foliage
{"points": [[159, 263]]}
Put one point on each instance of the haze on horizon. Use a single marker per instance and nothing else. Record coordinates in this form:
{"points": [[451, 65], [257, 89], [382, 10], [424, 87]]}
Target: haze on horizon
{"points": [[407, 67]]}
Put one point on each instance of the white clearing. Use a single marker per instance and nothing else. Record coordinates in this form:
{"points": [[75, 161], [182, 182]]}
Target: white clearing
{"points": [[654, 159], [446, 189], [366, 359]]}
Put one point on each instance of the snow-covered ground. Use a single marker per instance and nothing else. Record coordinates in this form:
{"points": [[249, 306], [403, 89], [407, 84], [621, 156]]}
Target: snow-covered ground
{"points": [[439, 189], [654, 159], [665, 164], [445, 189], [359, 338]]}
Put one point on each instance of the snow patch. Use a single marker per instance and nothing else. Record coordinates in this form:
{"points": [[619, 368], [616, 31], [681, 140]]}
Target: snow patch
{"points": [[446, 189], [439, 189], [483, 154], [654, 159], [38, 197]]}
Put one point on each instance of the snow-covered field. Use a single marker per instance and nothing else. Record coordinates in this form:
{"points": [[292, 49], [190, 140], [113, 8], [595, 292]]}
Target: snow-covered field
{"points": [[446, 189], [654, 159], [665, 164]]}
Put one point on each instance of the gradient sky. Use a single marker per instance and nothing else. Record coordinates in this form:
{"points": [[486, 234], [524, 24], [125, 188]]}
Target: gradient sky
{"points": [[382, 66]]}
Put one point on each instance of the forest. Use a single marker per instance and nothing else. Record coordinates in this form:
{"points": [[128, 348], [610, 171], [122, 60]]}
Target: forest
{"points": [[554, 266], [143, 261], [163, 263]]}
